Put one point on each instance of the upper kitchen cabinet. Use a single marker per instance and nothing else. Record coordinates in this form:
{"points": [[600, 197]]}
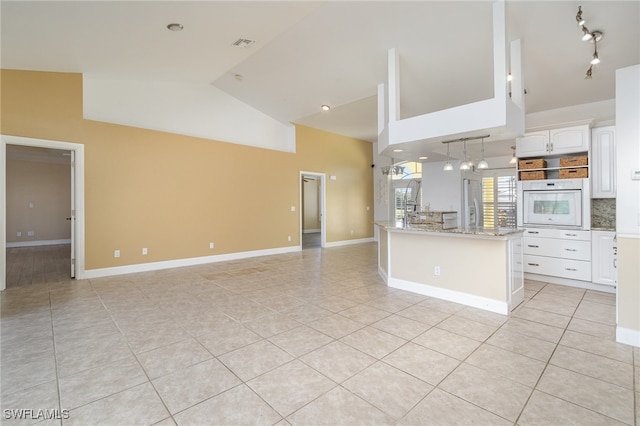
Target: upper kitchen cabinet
{"points": [[555, 141], [603, 162]]}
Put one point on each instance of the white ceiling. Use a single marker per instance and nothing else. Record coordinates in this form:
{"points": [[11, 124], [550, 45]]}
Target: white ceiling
{"points": [[309, 53]]}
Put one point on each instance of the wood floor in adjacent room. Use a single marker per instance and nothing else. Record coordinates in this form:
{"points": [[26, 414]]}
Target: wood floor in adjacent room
{"points": [[38, 264]]}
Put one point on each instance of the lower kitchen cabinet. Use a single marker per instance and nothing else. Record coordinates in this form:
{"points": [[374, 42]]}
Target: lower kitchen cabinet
{"points": [[558, 253], [603, 252]]}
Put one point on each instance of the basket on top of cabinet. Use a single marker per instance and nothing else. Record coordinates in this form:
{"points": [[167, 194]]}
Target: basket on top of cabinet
{"points": [[573, 173], [533, 175]]}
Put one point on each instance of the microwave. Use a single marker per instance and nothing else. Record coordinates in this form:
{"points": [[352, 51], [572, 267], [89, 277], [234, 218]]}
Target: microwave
{"points": [[561, 203]]}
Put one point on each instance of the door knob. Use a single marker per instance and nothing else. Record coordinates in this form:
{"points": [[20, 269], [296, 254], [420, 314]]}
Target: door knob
{"points": [[68, 218]]}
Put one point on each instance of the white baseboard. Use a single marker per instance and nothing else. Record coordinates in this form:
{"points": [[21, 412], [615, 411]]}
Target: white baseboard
{"points": [[349, 242], [383, 275], [571, 283], [451, 295], [156, 266], [628, 336], [38, 243]]}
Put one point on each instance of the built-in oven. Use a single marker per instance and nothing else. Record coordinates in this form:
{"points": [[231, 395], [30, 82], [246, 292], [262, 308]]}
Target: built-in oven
{"points": [[558, 203]]}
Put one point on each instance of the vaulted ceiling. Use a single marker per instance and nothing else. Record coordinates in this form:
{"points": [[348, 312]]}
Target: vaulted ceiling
{"points": [[310, 53]]}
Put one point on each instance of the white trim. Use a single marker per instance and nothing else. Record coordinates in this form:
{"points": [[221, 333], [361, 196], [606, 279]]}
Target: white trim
{"points": [[467, 299], [570, 283], [383, 274], [628, 336], [178, 263], [79, 190], [38, 243], [632, 236], [349, 242]]}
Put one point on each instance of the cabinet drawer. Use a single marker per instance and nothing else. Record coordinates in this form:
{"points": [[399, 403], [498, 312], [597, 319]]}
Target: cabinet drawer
{"points": [[564, 268], [568, 249], [558, 233]]}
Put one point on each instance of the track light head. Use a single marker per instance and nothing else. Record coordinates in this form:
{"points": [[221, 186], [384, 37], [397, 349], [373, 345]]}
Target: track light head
{"points": [[586, 35], [579, 18], [589, 73]]}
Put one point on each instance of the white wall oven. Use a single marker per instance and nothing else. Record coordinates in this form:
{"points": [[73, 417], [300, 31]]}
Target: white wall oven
{"points": [[558, 203]]}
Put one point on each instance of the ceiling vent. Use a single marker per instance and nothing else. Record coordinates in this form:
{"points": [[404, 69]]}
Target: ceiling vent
{"points": [[243, 42]]}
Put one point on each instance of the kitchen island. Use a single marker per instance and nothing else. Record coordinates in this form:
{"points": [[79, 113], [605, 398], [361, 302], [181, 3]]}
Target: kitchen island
{"points": [[474, 266]]}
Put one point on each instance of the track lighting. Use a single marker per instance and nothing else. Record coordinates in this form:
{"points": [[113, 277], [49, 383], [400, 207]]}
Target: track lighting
{"points": [[592, 36], [466, 164]]}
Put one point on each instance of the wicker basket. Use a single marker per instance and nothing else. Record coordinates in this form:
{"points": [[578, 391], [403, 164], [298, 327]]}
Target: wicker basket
{"points": [[573, 173], [536, 175], [580, 160], [532, 163]]}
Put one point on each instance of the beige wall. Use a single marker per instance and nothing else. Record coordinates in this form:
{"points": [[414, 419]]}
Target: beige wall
{"points": [[38, 200], [629, 276], [174, 194]]}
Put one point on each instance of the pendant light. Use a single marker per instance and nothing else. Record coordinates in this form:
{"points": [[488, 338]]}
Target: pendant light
{"points": [[465, 165], [513, 160], [483, 163], [448, 166]]}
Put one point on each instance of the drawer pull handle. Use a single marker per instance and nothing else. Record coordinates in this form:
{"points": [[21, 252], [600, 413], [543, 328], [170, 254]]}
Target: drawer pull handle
{"points": [[570, 269], [571, 235], [533, 232], [570, 249], [533, 245], [533, 264]]}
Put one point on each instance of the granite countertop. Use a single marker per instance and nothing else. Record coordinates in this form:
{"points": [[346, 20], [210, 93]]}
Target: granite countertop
{"points": [[437, 228]]}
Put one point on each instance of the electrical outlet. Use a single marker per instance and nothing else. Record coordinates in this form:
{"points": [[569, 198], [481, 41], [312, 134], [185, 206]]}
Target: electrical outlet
{"points": [[116, 253], [144, 251], [289, 238], [19, 234], [30, 233], [436, 271], [211, 245]]}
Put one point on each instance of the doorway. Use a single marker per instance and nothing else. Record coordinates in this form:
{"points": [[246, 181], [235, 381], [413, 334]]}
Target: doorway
{"points": [[312, 210], [75, 211]]}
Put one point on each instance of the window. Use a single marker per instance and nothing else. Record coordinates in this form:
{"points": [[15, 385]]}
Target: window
{"points": [[499, 201], [406, 186]]}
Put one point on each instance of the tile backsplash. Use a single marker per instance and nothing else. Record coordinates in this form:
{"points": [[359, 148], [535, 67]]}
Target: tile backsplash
{"points": [[603, 213]]}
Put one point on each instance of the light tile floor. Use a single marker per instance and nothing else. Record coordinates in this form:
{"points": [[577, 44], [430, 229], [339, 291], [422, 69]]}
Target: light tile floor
{"points": [[313, 337]]}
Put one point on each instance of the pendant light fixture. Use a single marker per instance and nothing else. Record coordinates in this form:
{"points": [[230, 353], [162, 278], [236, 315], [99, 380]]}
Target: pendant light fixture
{"points": [[513, 160], [448, 166], [483, 163], [464, 165]]}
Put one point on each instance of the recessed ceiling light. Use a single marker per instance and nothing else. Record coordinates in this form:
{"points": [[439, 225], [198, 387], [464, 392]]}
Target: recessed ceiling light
{"points": [[238, 77], [175, 27], [422, 158], [325, 107], [397, 150]]}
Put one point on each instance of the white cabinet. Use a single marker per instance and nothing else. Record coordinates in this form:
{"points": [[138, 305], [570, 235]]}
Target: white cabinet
{"points": [[558, 252], [603, 253], [552, 142], [603, 162], [516, 274]]}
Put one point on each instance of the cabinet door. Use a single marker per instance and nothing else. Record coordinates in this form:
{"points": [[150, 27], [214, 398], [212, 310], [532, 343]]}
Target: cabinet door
{"points": [[532, 144], [569, 140], [602, 246], [603, 162], [516, 273]]}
